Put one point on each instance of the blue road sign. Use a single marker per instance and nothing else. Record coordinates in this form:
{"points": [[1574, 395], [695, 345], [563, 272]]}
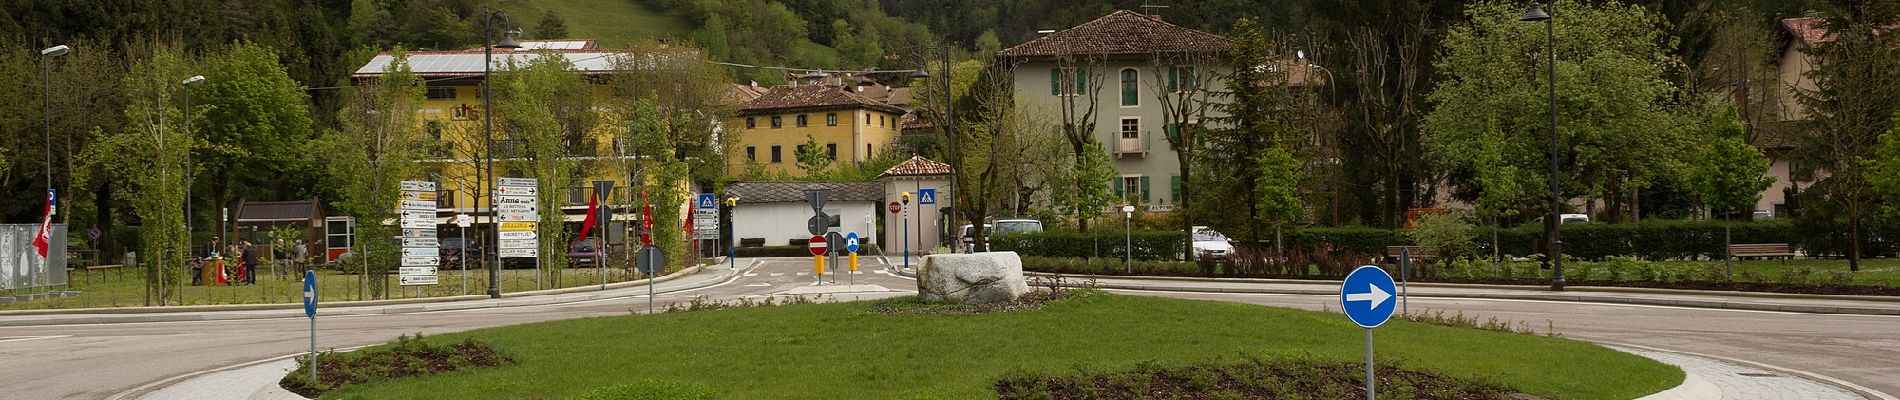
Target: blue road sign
{"points": [[310, 294], [1366, 296], [851, 242], [707, 201], [926, 196]]}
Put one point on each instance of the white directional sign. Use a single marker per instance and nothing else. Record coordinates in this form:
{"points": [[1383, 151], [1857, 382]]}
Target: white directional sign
{"points": [[515, 191], [506, 200], [418, 223], [413, 242], [417, 280], [706, 224], [416, 270], [515, 205], [506, 235], [517, 182], [517, 243], [425, 215], [520, 217], [429, 233], [421, 252], [418, 205], [519, 253], [421, 261], [418, 186]]}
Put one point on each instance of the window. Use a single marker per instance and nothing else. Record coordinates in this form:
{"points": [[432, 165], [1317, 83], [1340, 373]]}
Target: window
{"points": [[867, 150], [880, 120], [1059, 76], [1131, 89], [778, 122], [1055, 81], [775, 155], [1174, 188], [831, 119], [1181, 79], [439, 93], [752, 154], [798, 151], [867, 117], [801, 120], [1133, 189], [1131, 128], [751, 122], [831, 149]]}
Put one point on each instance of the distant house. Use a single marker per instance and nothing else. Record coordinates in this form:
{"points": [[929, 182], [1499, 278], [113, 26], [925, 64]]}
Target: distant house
{"points": [[1780, 133], [777, 211], [848, 126], [1118, 61]]}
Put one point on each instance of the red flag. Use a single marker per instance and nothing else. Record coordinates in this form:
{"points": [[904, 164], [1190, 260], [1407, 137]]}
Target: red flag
{"points": [[44, 239], [592, 217]]}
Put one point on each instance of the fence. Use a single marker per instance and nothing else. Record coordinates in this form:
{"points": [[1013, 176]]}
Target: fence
{"points": [[21, 266]]}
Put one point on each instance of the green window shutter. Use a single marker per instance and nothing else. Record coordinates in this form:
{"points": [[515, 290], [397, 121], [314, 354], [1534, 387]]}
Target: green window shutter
{"points": [[1081, 82], [1174, 135], [1187, 78], [1118, 186], [1173, 78], [1200, 139], [1146, 195], [1175, 188], [1055, 81]]}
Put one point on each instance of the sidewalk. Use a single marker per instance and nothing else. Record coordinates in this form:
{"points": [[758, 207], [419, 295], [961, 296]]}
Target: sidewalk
{"points": [[689, 278]]}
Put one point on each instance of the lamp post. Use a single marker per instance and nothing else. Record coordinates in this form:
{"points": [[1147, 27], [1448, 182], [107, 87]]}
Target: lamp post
{"points": [[487, 127], [1128, 239], [46, 78], [732, 249], [1537, 14], [195, 80], [950, 135]]}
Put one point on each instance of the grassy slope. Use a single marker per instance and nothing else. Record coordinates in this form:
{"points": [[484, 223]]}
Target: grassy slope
{"points": [[835, 351], [614, 23]]}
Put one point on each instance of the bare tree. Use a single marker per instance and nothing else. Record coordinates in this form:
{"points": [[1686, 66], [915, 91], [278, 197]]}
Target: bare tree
{"points": [[1079, 80], [1388, 83], [1182, 86]]}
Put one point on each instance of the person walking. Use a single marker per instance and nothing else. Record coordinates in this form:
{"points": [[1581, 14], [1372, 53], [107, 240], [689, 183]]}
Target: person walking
{"points": [[278, 258], [250, 263], [301, 256]]}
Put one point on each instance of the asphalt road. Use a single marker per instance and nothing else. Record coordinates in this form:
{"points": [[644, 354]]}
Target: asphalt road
{"points": [[97, 361]]}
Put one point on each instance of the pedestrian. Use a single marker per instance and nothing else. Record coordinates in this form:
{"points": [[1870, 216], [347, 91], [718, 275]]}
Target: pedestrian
{"points": [[278, 258], [250, 263], [301, 255], [197, 271]]}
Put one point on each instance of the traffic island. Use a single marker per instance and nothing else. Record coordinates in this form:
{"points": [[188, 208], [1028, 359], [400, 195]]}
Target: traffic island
{"points": [[851, 350]]}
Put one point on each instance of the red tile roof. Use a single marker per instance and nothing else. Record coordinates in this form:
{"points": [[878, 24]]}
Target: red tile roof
{"points": [[812, 97], [1811, 30], [917, 166], [1120, 33]]}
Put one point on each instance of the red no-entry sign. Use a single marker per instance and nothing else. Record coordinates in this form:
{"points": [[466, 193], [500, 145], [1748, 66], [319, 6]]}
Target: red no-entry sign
{"points": [[817, 245]]}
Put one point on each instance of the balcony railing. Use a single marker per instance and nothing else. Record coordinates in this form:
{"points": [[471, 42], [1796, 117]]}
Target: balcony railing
{"points": [[1138, 146]]}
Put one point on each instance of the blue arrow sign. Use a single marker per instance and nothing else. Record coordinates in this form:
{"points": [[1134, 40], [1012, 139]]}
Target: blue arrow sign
{"points": [[707, 202], [1366, 296], [926, 196], [851, 242], [310, 294]]}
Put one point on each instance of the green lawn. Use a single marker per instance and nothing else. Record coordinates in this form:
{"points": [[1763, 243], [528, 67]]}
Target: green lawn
{"points": [[844, 351], [613, 23], [114, 288]]}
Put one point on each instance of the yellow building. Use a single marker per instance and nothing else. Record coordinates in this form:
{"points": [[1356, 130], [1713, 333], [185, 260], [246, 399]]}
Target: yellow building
{"points": [[453, 110], [849, 126]]}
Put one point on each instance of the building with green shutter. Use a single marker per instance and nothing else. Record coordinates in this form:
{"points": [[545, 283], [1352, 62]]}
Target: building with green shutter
{"points": [[1133, 79]]}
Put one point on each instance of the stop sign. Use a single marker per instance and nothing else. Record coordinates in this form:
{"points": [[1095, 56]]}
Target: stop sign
{"points": [[896, 208], [817, 245]]}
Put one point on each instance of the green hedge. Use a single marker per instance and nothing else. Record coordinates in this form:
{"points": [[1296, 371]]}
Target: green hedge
{"points": [[1650, 240], [1109, 266], [1148, 244]]}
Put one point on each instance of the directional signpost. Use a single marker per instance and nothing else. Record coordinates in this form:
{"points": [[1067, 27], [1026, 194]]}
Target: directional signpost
{"points": [[1366, 297], [515, 204], [851, 245], [420, 249], [310, 310]]}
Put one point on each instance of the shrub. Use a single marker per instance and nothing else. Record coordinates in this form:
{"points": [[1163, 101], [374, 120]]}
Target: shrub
{"points": [[1148, 244], [406, 357], [1445, 232], [1107, 266], [1360, 240]]}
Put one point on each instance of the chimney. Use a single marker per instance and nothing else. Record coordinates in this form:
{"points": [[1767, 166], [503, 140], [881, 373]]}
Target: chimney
{"points": [[1045, 32], [1810, 13]]}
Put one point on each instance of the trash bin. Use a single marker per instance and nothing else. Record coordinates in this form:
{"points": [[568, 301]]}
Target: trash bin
{"points": [[213, 273]]}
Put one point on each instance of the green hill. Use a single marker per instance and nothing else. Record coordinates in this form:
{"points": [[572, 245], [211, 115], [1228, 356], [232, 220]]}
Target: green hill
{"points": [[613, 23]]}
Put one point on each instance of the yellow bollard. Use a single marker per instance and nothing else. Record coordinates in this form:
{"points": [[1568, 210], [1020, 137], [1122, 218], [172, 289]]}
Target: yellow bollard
{"points": [[818, 266], [854, 262]]}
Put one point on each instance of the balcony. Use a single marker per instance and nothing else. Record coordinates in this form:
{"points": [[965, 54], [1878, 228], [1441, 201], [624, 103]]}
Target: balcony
{"points": [[1123, 147]]}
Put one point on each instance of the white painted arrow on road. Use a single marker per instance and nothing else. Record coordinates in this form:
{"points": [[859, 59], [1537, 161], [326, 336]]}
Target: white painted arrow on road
{"points": [[1376, 296]]}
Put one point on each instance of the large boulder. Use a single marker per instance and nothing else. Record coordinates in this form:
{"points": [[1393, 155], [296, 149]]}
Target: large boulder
{"points": [[972, 278]]}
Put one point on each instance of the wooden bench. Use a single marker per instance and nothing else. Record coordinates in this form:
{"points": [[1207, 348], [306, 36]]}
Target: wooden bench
{"points": [[1761, 250], [751, 242], [1418, 253]]}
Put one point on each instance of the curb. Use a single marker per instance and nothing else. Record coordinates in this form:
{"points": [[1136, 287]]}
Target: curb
{"points": [[400, 306], [1612, 289]]}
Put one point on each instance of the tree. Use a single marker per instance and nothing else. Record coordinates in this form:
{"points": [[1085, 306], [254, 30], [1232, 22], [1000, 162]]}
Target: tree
{"points": [[1883, 169], [813, 158], [1500, 193], [148, 158], [1385, 71], [1614, 126], [1077, 110], [1183, 87], [550, 27], [1852, 104], [369, 156], [1257, 111], [1279, 203], [546, 109], [255, 128], [1728, 173], [663, 179]]}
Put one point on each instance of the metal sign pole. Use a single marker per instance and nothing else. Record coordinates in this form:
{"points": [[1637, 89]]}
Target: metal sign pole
{"points": [[1405, 274], [313, 350], [464, 260], [1369, 377]]}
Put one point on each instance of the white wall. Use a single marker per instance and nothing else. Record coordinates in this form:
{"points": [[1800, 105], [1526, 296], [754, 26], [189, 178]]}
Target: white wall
{"points": [[923, 218], [779, 223]]}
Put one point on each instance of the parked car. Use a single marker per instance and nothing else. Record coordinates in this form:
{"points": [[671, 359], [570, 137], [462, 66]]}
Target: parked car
{"points": [[451, 250], [1211, 245], [998, 227], [584, 252]]}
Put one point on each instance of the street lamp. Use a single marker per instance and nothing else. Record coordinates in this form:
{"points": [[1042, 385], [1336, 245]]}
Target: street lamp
{"points": [[1537, 14], [950, 134], [195, 80], [488, 142], [46, 78], [1128, 239], [732, 249]]}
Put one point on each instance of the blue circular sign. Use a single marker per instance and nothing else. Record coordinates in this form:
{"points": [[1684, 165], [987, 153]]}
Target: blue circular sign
{"points": [[1368, 297], [851, 242], [310, 294]]}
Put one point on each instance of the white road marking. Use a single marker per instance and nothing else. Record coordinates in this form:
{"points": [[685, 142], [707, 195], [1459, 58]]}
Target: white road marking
{"points": [[26, 338], [779, 274], [752, 274]]}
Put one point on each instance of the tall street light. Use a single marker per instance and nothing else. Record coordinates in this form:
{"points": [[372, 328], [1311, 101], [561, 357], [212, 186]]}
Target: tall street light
{"points": [[46, 78], [488, 141], [950, 134], [1537, 14], [195, 80]]}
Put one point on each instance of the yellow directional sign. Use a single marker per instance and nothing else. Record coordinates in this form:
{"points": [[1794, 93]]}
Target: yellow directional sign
{"points": [[513, 226], [412, 195]]}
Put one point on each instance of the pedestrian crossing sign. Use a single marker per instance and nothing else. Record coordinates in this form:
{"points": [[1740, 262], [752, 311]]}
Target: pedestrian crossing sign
{"points": [[927, 196], [707, 201]]}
